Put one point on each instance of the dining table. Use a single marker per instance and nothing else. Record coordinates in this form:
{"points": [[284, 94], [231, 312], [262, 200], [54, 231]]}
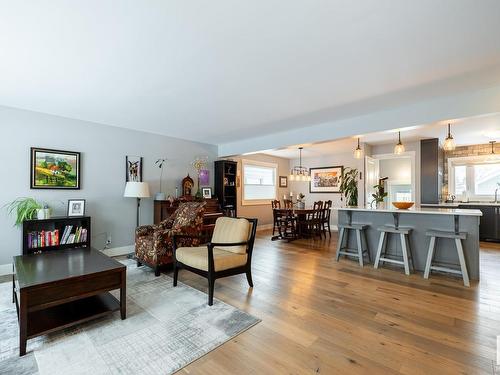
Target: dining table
{"points": [[301, 214]]}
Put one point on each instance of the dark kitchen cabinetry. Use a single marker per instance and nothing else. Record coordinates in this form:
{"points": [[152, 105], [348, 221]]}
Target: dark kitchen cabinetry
{"points": [[431, 170], [489, 225]]}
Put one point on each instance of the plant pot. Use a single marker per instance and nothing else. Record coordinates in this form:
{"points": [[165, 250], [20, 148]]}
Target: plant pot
{"points": [[301, 205], [40, 214], [160, 196]]}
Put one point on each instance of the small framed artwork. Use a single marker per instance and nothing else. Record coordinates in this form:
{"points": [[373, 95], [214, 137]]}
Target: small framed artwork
{"points": [[206, 192], [325, 179], [283, 181], [133, 168], [54, 169], [76, 207]]}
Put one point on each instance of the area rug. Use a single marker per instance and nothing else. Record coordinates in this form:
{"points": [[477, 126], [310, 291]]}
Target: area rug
{"points": [[166, 329]]}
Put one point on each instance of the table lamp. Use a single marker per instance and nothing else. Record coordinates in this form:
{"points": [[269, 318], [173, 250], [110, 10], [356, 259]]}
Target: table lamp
{"points": [[137, 190]]}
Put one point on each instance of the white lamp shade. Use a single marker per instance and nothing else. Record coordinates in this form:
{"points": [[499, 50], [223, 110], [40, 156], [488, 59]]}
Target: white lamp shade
{"points": [[136, 190]]}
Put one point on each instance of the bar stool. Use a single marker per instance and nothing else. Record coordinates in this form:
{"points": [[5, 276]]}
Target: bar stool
{"points": [[454, 235], [344, 250], [403, 233]]}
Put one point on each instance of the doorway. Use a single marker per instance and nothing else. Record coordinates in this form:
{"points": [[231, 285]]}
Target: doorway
{"points": [[400, 170]]}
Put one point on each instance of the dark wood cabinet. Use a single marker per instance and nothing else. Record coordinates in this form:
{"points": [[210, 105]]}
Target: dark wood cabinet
{"points": [[431, 171], [489, 224], [225, 185]]}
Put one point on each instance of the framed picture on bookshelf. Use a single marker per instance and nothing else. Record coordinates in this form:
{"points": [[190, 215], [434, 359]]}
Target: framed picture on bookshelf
{"points": [[54, 169], [76, 207], [206, 192], [133, 166]]}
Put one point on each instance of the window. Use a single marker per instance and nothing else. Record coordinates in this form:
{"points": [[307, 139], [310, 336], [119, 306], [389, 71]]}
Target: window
{"points": [[259, 182], [476, 175]]}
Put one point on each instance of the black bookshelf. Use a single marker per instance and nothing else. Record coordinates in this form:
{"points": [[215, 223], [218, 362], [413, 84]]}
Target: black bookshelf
{"points": [[225, 185], [59, 223]]}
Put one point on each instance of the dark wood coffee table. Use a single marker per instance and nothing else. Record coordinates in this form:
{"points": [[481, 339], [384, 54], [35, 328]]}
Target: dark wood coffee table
{"points": [[58, 289]]}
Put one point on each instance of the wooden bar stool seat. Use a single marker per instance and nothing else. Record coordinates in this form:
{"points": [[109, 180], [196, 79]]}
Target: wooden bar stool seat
{"points": [[359, 252], [458, 237], [403, 232]]}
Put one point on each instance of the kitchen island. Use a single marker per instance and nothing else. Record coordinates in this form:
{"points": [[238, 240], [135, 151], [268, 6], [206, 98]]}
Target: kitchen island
{"points": [[420, 219]]}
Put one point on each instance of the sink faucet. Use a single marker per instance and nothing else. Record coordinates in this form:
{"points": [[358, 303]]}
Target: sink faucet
{"points": [[496, 192]]}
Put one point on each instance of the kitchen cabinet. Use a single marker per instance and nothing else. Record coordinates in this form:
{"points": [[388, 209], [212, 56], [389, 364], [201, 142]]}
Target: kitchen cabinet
{"points": [[431, 170], [489, 226]]}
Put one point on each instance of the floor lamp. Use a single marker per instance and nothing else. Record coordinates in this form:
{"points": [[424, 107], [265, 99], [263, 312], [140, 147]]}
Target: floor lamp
{"points": [[136, 190]]}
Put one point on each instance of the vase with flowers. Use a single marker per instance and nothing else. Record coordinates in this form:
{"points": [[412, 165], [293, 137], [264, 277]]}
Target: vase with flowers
{"points": [[301, 202]]}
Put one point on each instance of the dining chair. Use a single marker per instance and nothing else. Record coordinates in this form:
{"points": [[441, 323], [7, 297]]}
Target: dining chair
{"points": [[288, 204], [314, 219], [275, 205], [325, 222]]}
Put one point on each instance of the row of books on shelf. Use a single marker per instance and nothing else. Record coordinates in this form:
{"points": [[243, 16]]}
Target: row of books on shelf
{"points": [[46, 238]]}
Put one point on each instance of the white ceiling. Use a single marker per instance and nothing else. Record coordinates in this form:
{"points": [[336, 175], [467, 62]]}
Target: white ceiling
{"points": [[468, 131], [217, 71]]}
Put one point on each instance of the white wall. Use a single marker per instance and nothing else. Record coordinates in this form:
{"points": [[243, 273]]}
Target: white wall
{"points": [[410, 146], [103, 151], [344, 159]]}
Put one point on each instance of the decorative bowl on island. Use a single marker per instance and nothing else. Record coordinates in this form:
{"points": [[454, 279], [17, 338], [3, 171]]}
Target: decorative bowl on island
{"points": [[403, 205]]}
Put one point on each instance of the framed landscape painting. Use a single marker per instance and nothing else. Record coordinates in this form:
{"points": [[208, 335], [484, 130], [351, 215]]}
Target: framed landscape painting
{"points": [[325, 179], [54, 169]]}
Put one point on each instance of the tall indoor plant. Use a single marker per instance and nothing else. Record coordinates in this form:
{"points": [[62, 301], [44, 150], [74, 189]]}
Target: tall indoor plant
{"points": [[349, 186]]}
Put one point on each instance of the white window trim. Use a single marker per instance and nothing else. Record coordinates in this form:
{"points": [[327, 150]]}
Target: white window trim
{"points": [[257, 202], [467, 160]]}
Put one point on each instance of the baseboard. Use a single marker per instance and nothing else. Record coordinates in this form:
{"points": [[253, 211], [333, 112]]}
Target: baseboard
{"points": [[334, 228], [264, 227], [117, 251], [6, 269]]}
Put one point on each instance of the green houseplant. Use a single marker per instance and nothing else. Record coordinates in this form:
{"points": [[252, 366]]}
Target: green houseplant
{"points": [[24, 209], [349, 186], [379, 196]]}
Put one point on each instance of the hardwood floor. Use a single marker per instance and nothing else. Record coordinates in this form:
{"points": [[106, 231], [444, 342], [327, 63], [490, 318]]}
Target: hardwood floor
{"points": [[320, 316]]}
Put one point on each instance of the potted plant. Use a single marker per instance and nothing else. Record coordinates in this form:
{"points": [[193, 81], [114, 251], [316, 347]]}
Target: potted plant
{"points": [[160, 196], [301, 201], [349, 186], [26, 209], [379, 195]]}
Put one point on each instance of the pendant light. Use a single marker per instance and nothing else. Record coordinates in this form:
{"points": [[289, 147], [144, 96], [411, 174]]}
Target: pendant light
{"points": [[449, 142], [399, 148], [299, 173], [492, 156], [358, 152]]}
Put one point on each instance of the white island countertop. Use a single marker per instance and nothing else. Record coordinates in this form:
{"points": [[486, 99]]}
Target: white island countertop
{"points": [[418, 210]]}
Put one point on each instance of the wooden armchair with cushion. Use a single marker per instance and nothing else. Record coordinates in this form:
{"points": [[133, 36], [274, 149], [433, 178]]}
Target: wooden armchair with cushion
{"points": [[154, 243], [228, 253]]}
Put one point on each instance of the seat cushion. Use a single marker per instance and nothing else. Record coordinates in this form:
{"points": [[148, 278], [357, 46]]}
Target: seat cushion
{"points": [[230, 230], [197, 257]]}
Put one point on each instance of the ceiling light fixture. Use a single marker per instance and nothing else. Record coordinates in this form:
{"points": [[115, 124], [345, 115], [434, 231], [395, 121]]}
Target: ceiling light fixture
{"points": [[449, 142], [399, 148], [358, 152], [300, 173], [493, 147]]}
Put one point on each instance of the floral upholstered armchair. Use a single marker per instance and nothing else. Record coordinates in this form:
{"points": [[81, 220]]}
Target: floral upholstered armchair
{"points": [[153, 243]]}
